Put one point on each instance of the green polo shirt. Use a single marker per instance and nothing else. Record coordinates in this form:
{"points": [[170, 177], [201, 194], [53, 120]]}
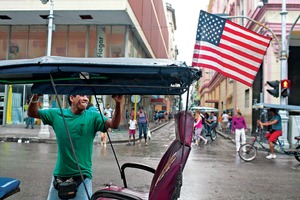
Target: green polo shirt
{"points": [[82, 128]]}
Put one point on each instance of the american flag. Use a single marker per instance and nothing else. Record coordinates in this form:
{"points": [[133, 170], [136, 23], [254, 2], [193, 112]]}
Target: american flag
{"points": [[228, 48]]}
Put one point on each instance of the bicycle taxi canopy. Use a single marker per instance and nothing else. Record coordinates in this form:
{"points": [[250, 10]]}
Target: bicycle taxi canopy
{"points": [[204, 109], [100, 75], [293, 108]]}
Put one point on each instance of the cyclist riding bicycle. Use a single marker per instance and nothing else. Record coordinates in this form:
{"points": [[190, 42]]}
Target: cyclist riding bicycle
{"points": [[275, 132], [212, 120]]}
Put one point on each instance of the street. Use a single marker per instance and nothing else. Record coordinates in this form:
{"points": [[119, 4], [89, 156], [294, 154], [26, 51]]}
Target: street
{"points": [[213, 171]]}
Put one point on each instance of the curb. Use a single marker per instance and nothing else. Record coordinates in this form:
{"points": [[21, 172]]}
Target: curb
{"points": [[22, 139], [151, 130]]}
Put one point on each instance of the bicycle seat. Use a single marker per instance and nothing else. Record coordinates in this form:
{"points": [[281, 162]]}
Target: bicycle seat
{"points": [[297, 138], [8, 186]]}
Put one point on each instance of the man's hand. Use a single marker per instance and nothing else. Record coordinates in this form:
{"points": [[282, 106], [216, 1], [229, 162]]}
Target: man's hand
{"points": [[118, 98]]}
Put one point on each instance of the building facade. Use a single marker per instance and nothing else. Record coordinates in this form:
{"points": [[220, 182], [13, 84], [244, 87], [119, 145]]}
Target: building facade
{"points": [[92, 28], [221, 92]]}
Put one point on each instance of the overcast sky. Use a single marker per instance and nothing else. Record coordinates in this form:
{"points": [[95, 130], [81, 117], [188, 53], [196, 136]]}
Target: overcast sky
{"points": [[187, 13]]}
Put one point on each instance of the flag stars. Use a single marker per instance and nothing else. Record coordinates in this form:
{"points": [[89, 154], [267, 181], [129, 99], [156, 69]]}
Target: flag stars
{"points": [[210, 28]]}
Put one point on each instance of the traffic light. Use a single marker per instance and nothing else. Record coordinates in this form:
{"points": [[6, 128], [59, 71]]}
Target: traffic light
{"points": [[285, 87], [275, 85]]}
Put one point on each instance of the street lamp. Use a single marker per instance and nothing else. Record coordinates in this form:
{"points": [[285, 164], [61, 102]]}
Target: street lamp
{"points": [[44, 131]]}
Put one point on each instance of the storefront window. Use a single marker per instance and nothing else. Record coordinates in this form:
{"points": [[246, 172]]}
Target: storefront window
{"points": [[76, 43], [130, 44], [4, 30], [59, 41], [93, 42], [18, 42], [118, 41], [37, 41], [135, 47]]}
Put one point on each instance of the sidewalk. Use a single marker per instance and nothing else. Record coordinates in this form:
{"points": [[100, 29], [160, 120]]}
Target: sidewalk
{"points": [[228, 135], [18, 133]]}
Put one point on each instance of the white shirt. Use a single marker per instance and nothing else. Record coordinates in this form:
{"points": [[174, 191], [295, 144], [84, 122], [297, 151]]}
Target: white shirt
{"points": [[224, 117], [109, 112], [132, 124]]}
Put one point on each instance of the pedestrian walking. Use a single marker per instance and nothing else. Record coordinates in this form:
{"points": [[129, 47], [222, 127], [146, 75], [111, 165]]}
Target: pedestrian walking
{"points": [[132, 130], [198, 128], [29, 120], [239, 127], [224, 121], [142, 121]]}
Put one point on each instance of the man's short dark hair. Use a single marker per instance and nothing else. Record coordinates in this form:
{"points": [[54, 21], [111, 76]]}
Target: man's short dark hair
{"points": [[273, 110], [69, 101]]}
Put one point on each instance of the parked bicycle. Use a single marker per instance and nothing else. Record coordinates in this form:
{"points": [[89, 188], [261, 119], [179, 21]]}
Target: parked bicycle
{"points": [[248, 151]]}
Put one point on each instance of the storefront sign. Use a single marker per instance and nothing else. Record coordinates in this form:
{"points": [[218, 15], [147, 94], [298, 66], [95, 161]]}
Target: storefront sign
{"points": [[101, 42]]}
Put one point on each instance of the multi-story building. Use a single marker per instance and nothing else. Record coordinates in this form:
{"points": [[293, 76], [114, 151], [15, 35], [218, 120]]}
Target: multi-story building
{"points": [[91, 28], [221, 92]]}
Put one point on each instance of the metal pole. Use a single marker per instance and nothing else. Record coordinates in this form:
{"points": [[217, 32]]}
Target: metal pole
{"points": [[283, 57], [50, 28], [44, 131], [283, 75]]}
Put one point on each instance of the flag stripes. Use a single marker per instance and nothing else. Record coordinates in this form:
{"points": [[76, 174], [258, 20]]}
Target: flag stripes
{"points": [[228, 48]]}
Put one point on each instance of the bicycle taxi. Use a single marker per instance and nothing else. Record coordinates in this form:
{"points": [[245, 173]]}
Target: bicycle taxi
{"points": [[248, 151], [205, 131], [109, 76]]}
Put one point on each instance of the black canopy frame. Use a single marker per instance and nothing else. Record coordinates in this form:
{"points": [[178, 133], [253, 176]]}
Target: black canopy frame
{"points": [[105, 75]]}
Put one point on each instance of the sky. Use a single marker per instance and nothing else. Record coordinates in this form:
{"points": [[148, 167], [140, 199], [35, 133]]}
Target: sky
{"points": [[187, 14]]}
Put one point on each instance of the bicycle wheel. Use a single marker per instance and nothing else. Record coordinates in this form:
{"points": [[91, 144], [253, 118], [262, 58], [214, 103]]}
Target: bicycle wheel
{"points": [[297, 156], [247, 152], [213, 134]]}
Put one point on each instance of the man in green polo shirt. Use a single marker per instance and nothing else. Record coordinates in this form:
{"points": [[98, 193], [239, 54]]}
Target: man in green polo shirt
{"points": [[82, 125]]}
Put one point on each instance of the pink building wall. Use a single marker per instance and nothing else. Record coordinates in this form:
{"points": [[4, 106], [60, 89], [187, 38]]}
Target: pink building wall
{"points": [[154, 28]]}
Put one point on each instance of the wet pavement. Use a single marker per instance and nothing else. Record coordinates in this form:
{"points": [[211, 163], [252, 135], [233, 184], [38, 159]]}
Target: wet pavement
{"points": [[213, 171]]}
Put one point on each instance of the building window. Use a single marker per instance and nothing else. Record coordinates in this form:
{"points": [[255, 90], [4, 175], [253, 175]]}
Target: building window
{"points": [[130, 43], [76, 43], [93, 45], [118, 41], [4, 30], [37, 43], [18, 42], [59, 41], [247, 98]]}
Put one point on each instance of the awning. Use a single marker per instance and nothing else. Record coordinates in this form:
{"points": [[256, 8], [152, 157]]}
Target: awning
{"points": [[159, 101], [211, 101]]}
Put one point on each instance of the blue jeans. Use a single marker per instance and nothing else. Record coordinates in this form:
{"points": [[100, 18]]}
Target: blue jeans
{"points": [[80, 195], [142, 128], [211, 126], [29, 121]]}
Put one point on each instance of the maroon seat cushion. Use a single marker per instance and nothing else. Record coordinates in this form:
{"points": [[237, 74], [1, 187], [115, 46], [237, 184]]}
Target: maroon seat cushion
{"points": [[180, 127]]}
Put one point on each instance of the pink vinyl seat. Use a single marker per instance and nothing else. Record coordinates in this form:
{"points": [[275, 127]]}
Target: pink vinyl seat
{"points": [[167, 179]]}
